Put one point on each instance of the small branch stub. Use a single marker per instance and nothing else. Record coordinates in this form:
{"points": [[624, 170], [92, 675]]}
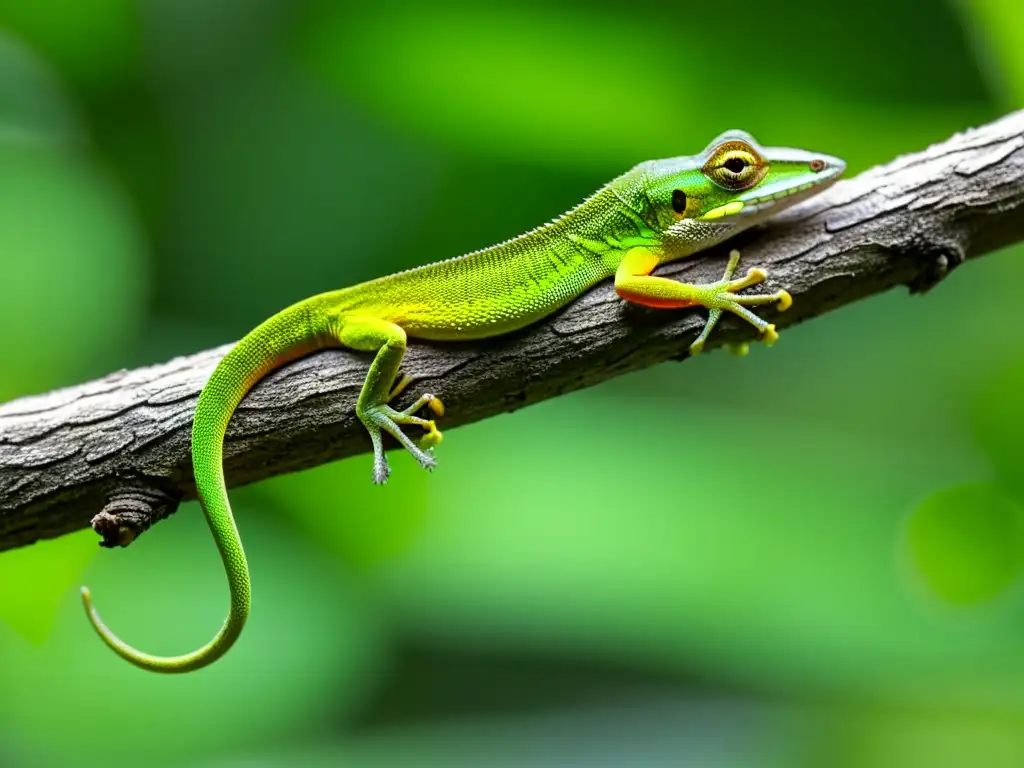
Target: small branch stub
{"points": [[129, 512]]}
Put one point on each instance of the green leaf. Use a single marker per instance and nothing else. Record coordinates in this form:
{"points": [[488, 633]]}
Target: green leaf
{"points": [[965, 542]]}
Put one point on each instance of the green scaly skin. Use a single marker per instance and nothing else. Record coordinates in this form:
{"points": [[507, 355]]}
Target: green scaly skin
{"points": [[657, 212]]}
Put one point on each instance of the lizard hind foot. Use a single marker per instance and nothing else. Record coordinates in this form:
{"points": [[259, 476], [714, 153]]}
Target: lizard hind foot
{"points": [[384, 418]]}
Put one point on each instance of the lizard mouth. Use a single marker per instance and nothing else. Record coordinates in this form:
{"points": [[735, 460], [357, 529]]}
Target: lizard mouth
{"points": [[784, 198]]}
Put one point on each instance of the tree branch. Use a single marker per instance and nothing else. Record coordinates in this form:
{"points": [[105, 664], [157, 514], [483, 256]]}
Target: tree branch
{"points": [[118, 448]]}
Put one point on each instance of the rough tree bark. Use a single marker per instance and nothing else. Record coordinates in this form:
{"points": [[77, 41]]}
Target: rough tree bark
{"points": [[118, 448]]}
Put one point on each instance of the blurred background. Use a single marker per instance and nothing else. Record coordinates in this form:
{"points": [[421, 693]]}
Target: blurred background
{"points": [[809, 557]]}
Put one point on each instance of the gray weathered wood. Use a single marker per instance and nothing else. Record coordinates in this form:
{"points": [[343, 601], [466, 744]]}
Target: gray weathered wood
{"points": [[119, 446]]}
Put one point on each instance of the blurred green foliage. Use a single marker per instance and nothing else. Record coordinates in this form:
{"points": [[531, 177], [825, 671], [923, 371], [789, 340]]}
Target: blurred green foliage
{"points": [[966, 542], [808, 557]]}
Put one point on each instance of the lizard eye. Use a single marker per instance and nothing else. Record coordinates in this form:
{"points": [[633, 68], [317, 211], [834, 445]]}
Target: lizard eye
{"points": [[679, 201], [735, 165]]}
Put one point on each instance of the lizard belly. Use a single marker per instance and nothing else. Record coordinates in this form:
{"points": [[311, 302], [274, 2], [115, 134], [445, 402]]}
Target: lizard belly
{"points": [[470, 320]]}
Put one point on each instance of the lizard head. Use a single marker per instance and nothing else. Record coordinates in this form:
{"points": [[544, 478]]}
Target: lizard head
{"points": [[732, 185]]}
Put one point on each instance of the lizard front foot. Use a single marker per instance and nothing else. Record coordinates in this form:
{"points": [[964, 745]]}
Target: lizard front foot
{"points": [[722, 296]]}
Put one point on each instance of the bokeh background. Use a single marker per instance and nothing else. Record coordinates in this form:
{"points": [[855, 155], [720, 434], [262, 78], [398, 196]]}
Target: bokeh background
{"points": [[809, 557]]}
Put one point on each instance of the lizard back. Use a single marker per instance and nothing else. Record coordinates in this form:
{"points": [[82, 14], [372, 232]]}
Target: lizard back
{"points": [[498, 289]]}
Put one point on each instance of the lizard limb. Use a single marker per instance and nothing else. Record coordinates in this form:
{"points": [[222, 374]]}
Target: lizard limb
{"points": [[634, 282], [371, 334]]}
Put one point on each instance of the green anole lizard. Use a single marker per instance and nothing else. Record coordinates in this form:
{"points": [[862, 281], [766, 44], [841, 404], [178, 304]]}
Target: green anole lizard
{"points": [[657, 212]]}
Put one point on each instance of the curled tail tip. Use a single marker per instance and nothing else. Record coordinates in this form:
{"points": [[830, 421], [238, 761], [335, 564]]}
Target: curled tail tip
{"points": [[166, 664], [93, 615]]}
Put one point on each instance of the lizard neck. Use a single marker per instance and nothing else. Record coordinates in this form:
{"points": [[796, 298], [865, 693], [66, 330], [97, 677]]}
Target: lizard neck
{"points": [[618, 212]]}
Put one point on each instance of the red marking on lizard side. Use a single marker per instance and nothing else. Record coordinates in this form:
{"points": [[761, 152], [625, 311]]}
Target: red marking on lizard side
{"points": [[656, 303]]}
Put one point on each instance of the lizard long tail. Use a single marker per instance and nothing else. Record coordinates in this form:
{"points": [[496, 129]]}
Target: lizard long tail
{"points": [[287, 335]]}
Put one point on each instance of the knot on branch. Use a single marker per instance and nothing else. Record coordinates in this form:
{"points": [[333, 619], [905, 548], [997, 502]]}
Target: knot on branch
{"points": [[129, 511], [938, 258]]}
